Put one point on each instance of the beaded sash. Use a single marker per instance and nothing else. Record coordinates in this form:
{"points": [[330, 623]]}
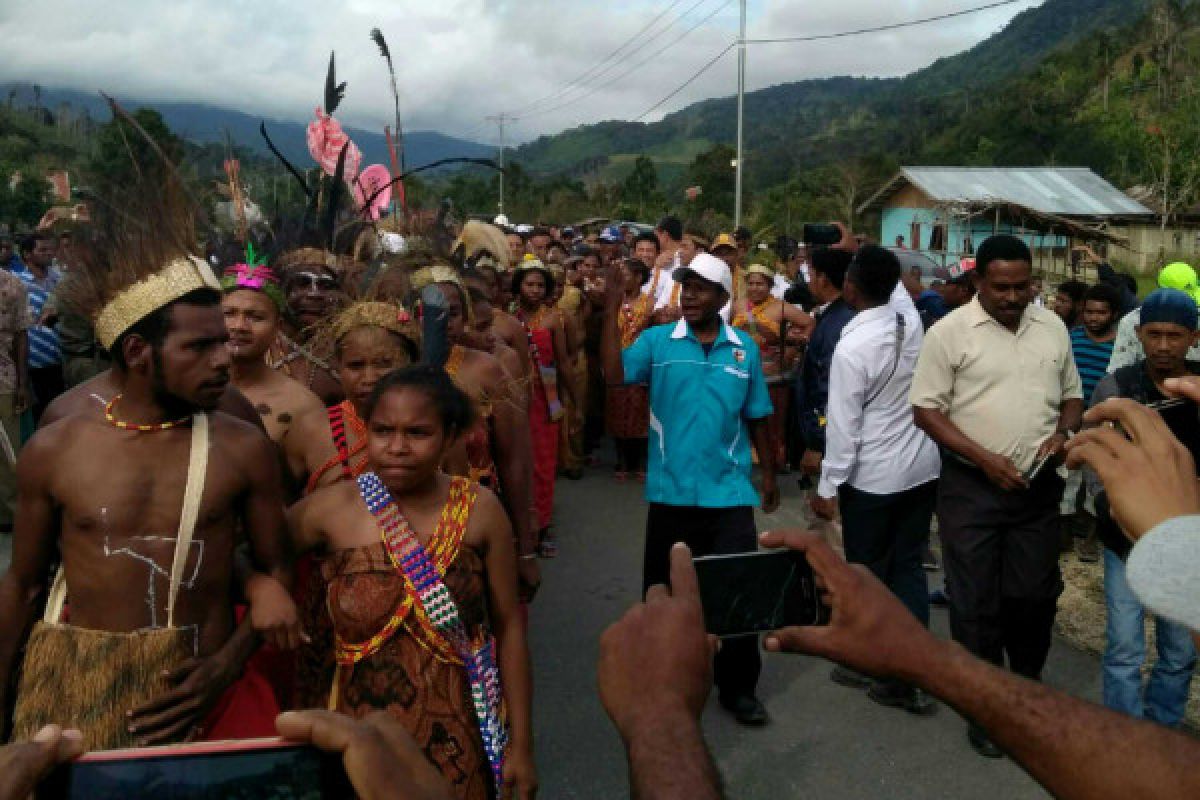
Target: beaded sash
{"points": [[479, 657]]}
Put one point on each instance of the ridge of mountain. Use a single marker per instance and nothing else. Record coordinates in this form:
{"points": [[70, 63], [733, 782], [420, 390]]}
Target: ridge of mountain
{"points": [[819, 107], [202, 123]]}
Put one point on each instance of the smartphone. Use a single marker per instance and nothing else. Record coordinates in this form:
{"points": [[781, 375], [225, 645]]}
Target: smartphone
{"points": [[250, 769], [822, 235], [1033, 471], [748, 593]]}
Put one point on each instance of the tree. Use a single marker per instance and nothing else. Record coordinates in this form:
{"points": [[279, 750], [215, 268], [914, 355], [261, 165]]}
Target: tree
{"points": [[713, 172], [121, 152], [24, 198], [639, 190]]}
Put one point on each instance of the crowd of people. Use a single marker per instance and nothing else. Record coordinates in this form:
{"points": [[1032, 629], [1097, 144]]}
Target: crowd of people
{"points": [[319, 473]]}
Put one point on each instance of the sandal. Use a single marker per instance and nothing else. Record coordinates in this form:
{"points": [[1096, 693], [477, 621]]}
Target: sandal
{"points": [[548, 548]]}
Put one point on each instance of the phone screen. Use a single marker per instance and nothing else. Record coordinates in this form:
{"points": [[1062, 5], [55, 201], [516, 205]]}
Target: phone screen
{"points": [[257, 769], [747, 593]]}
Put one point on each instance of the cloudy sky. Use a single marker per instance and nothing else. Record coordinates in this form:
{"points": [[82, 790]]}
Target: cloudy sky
{"points": [[459, 61]]}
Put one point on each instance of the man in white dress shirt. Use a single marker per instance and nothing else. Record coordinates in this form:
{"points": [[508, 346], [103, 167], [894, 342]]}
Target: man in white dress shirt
{"points": [[879, 469]]}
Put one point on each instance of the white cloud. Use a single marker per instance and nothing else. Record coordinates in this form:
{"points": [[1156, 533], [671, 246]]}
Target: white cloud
{"points": [[458, 60]]}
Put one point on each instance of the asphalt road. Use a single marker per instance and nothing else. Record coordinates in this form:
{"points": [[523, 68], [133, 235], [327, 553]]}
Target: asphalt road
{"points": [[823, 741]]}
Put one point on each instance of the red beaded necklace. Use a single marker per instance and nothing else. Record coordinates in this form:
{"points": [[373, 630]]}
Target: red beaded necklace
{"points": [[133, 426]]}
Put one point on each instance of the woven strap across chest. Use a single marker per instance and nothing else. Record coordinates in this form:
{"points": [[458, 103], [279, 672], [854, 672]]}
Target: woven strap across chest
{"points": [[410, 557]]}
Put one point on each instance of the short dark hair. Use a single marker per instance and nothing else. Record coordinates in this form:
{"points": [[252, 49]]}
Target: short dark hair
{"points": [[874, 271], [1076, 290], [540, 232], [1001, 247], [29, 243], [742, 232], [671, 226], [155, 326], [832, 264], [647, 237], [453, 405], [638, 266], [1103, 293]]}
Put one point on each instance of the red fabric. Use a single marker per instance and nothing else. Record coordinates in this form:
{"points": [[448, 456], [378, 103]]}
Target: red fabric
{"points": [[544, 434], [247, 710]]}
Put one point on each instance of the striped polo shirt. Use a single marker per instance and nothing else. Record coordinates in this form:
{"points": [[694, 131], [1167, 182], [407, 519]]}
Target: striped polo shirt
{"points": [[44, 350], [1091, 359]]}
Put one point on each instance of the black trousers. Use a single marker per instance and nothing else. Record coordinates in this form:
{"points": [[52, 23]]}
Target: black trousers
{"points": [[47, 384], [1001, 559], [707, 531], [887, 533]]}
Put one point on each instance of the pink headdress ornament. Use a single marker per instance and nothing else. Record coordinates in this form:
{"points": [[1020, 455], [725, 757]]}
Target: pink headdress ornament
{"points": [[325, 136]]}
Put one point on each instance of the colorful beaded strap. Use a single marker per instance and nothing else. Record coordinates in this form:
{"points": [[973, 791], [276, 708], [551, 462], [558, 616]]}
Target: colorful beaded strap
{"points": [[408, 556]]}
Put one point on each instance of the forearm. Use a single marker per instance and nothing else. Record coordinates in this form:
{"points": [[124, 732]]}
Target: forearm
{"points": [[1070, 419], [1052, 734], [668, 760], [946, 433], [18, 605], [515, 457], [763, 446], [516, 677], [610, 351]]}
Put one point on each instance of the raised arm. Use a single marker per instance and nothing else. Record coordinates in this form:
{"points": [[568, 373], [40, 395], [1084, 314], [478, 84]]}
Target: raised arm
{"points": [[1048, 732], [610, 334]]}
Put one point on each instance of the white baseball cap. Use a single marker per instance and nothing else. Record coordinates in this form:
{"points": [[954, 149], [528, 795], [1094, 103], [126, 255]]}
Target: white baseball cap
{"points": [[707, 267]]}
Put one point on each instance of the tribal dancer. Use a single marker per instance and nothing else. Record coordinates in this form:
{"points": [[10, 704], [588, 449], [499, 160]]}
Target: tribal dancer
{"points": [[629, 406], [368, 340], [421, 575], [496, 452], [574, 307], [152, 494], [778, 328], [532, 285], [313, 290], [294, 417]]}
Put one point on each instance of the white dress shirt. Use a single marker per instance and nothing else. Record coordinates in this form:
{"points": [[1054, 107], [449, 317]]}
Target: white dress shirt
{"points": [[876, 447]]}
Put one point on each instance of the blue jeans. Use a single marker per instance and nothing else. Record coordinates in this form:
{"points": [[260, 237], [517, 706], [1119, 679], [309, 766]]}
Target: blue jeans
{"points": [[1165, 697]]}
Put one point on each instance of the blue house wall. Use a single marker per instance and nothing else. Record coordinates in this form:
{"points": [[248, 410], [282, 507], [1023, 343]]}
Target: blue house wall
{"points": [[898, 222]]}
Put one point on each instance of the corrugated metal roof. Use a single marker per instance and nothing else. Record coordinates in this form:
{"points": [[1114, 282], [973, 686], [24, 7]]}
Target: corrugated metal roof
{"points": [[1068, 191]]}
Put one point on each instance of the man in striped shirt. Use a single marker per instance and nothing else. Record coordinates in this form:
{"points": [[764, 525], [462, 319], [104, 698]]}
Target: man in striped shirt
{"points": [[1092, 347], [37, 271]]}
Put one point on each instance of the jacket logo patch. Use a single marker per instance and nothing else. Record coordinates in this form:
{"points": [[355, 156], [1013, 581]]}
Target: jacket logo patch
{"points": [[739, 355]]}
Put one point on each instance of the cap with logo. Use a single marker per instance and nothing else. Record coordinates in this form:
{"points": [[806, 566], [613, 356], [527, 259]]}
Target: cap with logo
{"points": [[709, 268]]}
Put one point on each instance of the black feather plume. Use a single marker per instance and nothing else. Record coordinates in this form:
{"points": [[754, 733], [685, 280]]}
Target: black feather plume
{"points": [[377, 37], [262, 128], [334, 91], [333, 200]]}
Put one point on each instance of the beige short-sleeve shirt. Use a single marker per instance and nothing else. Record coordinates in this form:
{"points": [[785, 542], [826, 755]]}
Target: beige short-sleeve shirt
{"points": [[1004, 391]]}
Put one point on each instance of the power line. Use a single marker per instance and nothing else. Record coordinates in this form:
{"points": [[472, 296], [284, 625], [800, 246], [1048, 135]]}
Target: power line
{"points": [[587, 74], [839, 35], [893, 26], [686, 83], [636, 66]]}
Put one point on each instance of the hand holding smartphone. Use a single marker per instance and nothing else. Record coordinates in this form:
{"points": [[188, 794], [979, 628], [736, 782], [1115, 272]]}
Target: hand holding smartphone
{"points": [[749, 593], [249, 769]]}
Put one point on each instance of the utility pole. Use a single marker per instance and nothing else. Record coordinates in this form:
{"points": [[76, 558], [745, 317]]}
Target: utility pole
{"points": [[741, 99], [500, 119]]}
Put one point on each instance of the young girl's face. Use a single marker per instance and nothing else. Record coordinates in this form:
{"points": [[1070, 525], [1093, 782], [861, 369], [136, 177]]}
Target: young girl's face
{"points": [[406, 439], [364, 356]]}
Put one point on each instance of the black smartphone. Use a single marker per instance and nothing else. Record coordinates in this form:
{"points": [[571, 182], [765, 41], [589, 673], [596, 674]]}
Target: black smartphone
{"points": [[252, 769], [748, 593], [822, 235]]}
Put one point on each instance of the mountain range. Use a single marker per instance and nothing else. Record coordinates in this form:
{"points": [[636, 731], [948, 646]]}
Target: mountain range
{"points": [[201, 123], [800, 124]]}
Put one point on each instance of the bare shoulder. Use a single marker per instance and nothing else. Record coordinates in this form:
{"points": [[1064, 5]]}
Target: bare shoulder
{"points": [[488, 517], [243, 439], [324, 503], [235, 404], [87, 398]]}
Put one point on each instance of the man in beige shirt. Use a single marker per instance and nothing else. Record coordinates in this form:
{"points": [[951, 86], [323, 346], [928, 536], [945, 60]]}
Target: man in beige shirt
{"points": [[996, 387]]}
